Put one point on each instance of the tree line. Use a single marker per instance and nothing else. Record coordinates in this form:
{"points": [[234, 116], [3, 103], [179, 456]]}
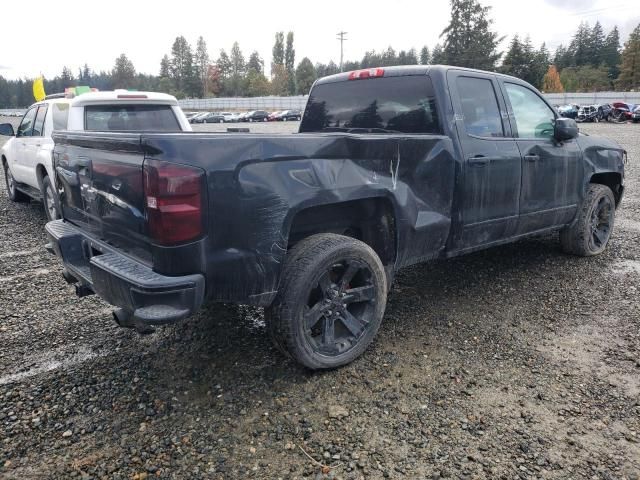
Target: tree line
{"points": [[593, 60]]}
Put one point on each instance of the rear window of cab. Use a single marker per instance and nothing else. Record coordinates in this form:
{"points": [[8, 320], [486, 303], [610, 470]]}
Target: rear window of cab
{"points": [[403, 104], [128, 118]]}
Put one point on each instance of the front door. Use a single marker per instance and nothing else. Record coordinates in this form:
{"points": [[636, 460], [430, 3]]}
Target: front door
{"points": [[491, 168], [551, 170], [23, 134], [33, 146]]}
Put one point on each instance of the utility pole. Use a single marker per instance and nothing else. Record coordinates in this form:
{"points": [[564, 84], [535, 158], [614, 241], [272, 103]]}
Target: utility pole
{"points": [[342, 38]]}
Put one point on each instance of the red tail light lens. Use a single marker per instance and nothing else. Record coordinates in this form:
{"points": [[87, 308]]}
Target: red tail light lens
{"points": [[369, 73], [174, 202]]}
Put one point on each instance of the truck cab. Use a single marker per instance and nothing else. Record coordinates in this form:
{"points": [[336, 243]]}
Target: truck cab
{"points": [[26, 157]]}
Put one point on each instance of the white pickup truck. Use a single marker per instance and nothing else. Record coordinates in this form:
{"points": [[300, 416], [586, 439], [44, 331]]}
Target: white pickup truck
{"points": [[27, 156]]}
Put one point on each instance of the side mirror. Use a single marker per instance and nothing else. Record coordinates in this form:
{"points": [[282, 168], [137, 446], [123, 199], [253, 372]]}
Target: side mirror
{"points": [[7, 129], [565, 129]]}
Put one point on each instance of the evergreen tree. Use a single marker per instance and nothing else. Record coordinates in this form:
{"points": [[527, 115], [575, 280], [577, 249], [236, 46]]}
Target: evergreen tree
{"points": [[580, 46], [181, 63], [551, 82], [238, 70], [596, 44], [561, 57], [437, 57], [123, 73], [201, 58], [468, 39], [425, 57], [289, 62], [629, 78], [257, 85], [66, 79], [305, 76], [165, 67], [278, 50], [611, 53], [541, 62], [256, 63]]}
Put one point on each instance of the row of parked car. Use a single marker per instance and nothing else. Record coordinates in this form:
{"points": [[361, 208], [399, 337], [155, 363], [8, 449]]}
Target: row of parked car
{"points": [[251, 116], [614, 112]]}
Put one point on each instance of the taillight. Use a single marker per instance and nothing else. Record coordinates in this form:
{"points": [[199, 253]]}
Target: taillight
{"points": [[174, 202], [368, 73]]}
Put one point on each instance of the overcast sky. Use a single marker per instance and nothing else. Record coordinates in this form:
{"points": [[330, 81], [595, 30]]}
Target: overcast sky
{"points": [[43, 36]]}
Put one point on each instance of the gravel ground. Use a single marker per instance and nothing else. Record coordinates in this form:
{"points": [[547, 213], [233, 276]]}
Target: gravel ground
{"points": [[515, 362]]}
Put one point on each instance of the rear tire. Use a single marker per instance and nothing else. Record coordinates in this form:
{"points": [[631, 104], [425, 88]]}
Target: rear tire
{"points": [[590, 233], [330, 302], [50, 200], [12, 192]]}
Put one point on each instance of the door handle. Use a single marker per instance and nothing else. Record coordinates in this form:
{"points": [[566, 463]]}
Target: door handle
{"points": [[531, 158], [479, 161]]}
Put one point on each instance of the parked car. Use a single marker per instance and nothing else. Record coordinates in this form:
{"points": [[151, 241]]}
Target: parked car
{"points": [[229, 117], [257, 116], [635, 114], [197, 116], [242, 117], [622, 111], [26, 157], [593, 113], [568, 111], [290, 115], [274, 116], [423, 162], [209, 117]]}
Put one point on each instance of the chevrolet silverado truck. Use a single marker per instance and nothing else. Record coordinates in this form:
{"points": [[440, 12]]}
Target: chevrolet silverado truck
{"points": [[390, 167], [26, 157]]}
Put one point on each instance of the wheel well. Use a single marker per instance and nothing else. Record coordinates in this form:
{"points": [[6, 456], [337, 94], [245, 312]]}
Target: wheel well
{"points": [[612, 180], [4, 160], [41, 172], [369, 220]]}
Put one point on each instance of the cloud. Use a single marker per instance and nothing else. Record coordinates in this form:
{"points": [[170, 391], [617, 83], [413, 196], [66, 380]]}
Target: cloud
{"points": [[571, 5], [5, 67]]}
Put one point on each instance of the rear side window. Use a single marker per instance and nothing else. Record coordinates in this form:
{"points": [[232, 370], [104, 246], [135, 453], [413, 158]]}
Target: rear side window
{"points": [[60, 115], [479, 107], [405, 104], [38, 125], [126, 118]]}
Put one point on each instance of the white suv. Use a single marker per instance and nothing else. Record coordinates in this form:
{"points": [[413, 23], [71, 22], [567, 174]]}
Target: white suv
{"points": [[26, 157]]}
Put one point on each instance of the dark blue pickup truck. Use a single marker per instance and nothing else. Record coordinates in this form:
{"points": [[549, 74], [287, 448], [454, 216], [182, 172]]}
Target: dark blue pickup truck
{"points": [[390, 167]]}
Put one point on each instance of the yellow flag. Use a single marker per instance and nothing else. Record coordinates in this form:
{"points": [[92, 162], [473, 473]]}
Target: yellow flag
{"points": [[38, 89]]}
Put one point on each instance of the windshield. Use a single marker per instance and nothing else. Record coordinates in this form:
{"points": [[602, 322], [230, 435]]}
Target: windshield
{"points": [[126, 118], [403, 104]]}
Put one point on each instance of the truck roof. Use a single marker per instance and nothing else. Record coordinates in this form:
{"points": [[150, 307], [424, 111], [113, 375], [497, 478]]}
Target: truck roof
{"points": [[125, 96], [401, 70]]}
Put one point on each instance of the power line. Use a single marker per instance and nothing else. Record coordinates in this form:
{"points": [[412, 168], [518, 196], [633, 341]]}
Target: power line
{"points": [[342, 38]]}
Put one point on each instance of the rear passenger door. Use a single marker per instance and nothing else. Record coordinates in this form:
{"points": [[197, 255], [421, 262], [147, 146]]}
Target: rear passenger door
{"points": [[491, 170], [551, 170]]}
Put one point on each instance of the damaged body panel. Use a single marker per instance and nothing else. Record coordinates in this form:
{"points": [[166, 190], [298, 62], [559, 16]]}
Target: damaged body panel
{"points": [[414, 163]]}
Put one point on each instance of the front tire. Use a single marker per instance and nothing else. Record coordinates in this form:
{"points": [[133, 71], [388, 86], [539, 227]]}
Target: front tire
{"points": [[50, 200], [590, 233], [13, 193], [330, 302]]}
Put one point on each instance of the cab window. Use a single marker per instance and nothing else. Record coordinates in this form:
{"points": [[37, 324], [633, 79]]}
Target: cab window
{"points": [[480, 107], [26, 126], [60, 115], [534, 118], [38, 125]]}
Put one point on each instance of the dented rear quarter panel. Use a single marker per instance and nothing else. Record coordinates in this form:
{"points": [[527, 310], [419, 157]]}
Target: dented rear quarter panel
{"points": [[257, 184]]}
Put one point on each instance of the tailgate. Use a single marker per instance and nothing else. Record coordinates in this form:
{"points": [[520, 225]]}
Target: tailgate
{"points": [[100, 180]]}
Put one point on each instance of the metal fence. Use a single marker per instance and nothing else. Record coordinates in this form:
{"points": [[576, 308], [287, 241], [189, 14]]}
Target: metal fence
{"points": [[588, 98], [245, 103], [299, 102]]}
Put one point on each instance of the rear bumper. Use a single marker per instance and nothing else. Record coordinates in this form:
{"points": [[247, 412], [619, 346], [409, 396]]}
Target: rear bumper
{"points": [[150, 298]]}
